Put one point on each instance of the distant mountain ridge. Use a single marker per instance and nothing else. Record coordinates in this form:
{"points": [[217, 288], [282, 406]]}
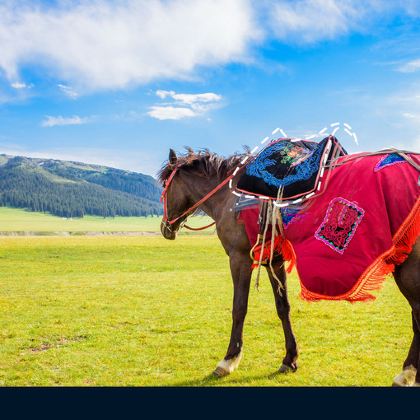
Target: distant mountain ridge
{"points": [[73, 189]]}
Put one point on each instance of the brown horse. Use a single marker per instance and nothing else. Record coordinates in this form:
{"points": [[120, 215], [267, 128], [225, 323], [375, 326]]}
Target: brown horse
{"points": [[191, 177]]}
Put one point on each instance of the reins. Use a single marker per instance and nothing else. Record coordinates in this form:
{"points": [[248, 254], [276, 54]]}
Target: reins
{"points": [[200, 228]]}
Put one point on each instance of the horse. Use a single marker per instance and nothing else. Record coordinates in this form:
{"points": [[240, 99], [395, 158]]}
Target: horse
{"points": [[198, 180]]}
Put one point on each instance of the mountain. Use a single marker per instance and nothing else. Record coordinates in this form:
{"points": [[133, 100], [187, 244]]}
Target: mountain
{"points": [[73, 189]]}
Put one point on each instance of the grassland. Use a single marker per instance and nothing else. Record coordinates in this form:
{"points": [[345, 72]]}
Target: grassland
{"points": [[145, 311], [18, 220]]}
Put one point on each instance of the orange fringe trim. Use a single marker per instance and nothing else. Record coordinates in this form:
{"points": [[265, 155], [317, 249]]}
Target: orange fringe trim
{"points": [[281, 247], [374, 275]]}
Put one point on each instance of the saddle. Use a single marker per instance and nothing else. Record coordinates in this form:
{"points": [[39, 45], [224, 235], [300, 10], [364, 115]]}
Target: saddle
{"points": [[289, 168]]}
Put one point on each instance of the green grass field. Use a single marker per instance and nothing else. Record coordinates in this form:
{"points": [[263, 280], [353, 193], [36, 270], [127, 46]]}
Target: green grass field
{"points": [[18, 220], [145, 311]]}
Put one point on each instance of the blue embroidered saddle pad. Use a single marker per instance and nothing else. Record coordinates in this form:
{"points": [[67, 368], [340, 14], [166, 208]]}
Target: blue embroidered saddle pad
{"points": [[293, 165]]}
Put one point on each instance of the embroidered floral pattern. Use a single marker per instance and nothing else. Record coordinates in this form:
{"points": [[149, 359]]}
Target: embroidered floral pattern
{"points": [[389, 160], [293, 154], [340, 223]]}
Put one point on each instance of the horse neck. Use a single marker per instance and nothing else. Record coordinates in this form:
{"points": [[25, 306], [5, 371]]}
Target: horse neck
{"points": [[199, 186]]}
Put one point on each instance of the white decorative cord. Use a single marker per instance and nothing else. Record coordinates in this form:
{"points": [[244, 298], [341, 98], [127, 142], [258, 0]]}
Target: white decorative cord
{"points": [[336, 126]]}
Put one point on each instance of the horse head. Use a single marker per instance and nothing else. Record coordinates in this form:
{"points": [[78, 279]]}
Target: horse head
{"points": [[175, 197]]}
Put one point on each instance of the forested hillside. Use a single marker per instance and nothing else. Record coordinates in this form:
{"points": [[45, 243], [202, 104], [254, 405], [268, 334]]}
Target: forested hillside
{"points": [[73, 189]]}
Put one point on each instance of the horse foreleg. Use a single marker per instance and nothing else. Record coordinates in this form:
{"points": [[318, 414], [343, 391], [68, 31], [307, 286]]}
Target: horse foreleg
{"points": [[240, 266], [283, 311]]}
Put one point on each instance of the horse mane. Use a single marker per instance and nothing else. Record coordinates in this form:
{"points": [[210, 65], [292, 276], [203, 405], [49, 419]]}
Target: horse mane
{"points": [[202, 163]]}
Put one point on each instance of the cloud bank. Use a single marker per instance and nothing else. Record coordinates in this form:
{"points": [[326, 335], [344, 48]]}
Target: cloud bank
{"points": [[105, 45], [108, 45]]}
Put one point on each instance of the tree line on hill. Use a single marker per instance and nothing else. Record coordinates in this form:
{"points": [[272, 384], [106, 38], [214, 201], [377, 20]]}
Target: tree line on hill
{"points": [[24, 184], [134, 183]]}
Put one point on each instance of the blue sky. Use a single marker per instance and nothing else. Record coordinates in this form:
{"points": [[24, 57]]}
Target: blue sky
{"points": [[120, 82]]}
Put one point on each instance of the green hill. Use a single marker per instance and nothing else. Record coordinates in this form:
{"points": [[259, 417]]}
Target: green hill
{"points": [[73, 189]]}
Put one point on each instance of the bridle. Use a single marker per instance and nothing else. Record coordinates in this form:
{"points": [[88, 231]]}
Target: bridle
{"points": [[163, 198]]}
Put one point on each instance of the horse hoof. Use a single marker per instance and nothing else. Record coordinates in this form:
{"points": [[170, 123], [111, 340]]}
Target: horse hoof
{"points": [[288, 369], [219, 372], [406, 378], [227, 366]]}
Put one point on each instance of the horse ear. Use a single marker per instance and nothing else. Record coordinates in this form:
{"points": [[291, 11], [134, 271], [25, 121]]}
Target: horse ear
{"points": [[172, 157]]}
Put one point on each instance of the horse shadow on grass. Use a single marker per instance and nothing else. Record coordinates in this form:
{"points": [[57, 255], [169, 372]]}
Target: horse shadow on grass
{"points": [[212, 380]]}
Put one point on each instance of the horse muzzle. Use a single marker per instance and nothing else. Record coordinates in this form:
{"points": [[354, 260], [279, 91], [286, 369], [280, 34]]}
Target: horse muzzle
{"points": [[167, 230]]}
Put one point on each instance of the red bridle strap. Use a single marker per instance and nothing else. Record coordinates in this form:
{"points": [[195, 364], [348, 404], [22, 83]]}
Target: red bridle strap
{"points": [[164, 192], [196, 205]]}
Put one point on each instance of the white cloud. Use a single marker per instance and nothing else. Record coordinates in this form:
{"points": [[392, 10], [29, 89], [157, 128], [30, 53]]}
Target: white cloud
{"points": [[189, 98], [307, 21], [410, 66], [106, 45], [68, 91], [170, 113], [50, 121], [411, 116], [188, 105], [19, 85], [165, 93], [311, 21]]}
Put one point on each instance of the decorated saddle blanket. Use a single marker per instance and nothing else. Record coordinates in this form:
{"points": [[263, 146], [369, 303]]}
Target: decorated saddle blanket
{"points": [[292, 166], [364, 221]]}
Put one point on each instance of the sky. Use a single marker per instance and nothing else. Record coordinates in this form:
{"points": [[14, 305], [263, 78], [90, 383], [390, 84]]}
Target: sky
{"points": [[120, 82]]}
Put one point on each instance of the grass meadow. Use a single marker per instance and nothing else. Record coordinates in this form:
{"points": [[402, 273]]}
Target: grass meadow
{"points": [[119, 310], [21, 221]]}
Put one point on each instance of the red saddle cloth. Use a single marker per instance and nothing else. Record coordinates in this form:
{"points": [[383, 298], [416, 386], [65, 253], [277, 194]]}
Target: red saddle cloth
{"points": [[364, 222]]}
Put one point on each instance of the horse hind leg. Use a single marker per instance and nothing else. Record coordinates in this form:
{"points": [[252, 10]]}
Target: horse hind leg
{"points": [[407, 277], [416, 315], [408, 376], [417, 381]]}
